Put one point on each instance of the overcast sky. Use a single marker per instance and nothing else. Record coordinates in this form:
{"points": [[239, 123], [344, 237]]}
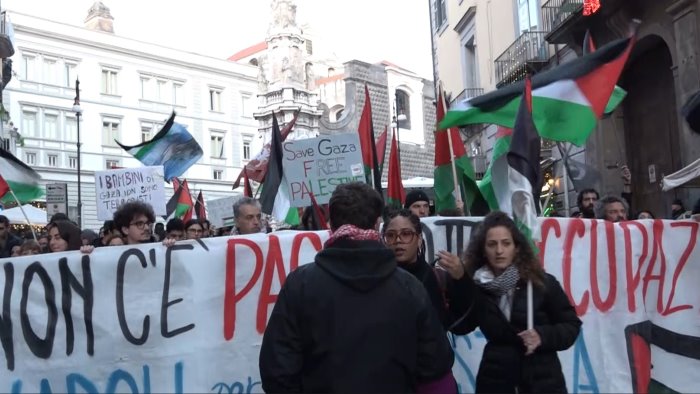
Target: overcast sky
{"points": [[367, 30]]}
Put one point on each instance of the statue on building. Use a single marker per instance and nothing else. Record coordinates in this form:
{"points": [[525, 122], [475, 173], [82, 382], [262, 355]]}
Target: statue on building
{"points": [[262, 79], [310, 77], [284, 14]]}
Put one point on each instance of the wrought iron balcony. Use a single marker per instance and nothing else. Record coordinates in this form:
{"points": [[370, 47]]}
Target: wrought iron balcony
{"points": [[556, 14], [469, 93], [529, 53]]}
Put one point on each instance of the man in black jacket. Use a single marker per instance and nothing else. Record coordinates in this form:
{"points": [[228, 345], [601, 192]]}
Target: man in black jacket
{"points": [[351, 321], [7, 239]]}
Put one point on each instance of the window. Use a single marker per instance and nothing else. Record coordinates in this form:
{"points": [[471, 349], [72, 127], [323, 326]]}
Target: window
{"points": [[111, 163], [440, 13], [402, 101], [217, 145], [161, 90], [146, 88], [72, 162], [29, 123], [215, 99], [51, 126], [178, 94], [218, 175], [29, 67], [471, 79], [69, 75], [246, 148], [145, 133], [51, 160], [71, 129], [5, 143], [246, 106], [30, 158], [110, 132], [50, 71], [109, 82]]}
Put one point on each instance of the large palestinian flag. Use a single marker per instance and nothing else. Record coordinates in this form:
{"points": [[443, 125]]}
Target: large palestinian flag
{"points": [[21, 178], [567, 101]]}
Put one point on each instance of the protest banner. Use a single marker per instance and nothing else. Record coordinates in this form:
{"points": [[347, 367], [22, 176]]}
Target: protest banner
{"points": [[220, 211], [116, 187], [190, 318], [319, 165]]}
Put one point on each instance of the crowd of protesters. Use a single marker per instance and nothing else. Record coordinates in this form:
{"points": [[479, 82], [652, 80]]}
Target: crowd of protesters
{"points": [[396, 306]]}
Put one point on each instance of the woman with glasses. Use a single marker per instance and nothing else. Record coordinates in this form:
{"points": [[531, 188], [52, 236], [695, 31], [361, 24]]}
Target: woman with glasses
{"points": [[450, 292], [193, 229], [517, 359]]}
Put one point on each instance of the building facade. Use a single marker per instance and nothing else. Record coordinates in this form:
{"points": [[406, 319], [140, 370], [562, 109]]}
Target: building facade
{"points": [[128, 89], [468, 36], [646, 133], [331, 93]]}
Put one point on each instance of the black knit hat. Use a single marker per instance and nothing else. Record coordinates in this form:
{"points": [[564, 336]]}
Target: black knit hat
{"points": [[415, 196]]}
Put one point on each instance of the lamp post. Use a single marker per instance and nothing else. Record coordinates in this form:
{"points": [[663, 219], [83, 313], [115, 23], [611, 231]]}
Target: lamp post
{"points": [[78, 112], [398, 117]]}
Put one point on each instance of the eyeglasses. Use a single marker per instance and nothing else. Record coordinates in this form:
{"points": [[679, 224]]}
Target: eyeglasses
{"points": [[141, 224], [406, 236]]}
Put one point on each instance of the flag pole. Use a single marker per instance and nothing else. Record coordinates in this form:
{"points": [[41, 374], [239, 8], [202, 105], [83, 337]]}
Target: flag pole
{"points": [[454, 174], [19, 204]]}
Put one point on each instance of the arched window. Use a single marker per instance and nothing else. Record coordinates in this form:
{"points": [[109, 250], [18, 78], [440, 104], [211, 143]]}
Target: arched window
{"points": [[404, 106]]}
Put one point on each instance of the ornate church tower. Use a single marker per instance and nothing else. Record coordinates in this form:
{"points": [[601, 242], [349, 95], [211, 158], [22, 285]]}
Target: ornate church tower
{"points": [[285, 76]]}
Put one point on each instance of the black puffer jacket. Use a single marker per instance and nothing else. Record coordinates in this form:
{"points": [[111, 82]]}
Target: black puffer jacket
{"points": [[451, 298], [352, 322], [504, 367]]}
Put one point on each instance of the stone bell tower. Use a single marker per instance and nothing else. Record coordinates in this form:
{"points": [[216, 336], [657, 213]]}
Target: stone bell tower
{"points": [[285, 76]]}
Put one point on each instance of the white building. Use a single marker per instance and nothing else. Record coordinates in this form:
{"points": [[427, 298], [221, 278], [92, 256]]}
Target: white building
{"points": [[128, 88]]}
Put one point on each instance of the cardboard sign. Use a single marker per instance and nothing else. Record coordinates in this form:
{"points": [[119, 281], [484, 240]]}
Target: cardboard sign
{"points": [[191, 318], [319, 165], [116, 187]]}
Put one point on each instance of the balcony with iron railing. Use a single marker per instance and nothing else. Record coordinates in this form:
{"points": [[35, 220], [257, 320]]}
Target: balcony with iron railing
{"points": [[557, 15], [528, 54], [6, 48]]}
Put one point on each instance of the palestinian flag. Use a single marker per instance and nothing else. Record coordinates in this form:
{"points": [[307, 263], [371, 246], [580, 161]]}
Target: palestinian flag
{"points": [[247, 189], [173, 147], [257, 166], [367, 144], [319, 216], [444, 184], [275, 197], [22, 179], [199, 207], [567, 101], [381, 149], [171, 205], [500, 149], [396, 195], [517, 175], [184, 207]]}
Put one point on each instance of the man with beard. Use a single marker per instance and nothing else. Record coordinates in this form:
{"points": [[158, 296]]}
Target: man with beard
{"points": [[611, 208], [586, 203], [135, 219]]}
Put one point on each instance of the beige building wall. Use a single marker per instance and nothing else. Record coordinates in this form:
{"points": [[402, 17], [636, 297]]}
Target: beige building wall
{"points": [[493, 29]]}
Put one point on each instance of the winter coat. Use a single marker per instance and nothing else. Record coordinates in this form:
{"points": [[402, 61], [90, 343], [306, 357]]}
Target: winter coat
{"points": [[504, 366], [11, 241], [352, 322], [451, 298]]}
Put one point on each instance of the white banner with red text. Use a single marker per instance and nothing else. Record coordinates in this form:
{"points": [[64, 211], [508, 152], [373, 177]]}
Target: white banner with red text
{"points": [[190, 318]]}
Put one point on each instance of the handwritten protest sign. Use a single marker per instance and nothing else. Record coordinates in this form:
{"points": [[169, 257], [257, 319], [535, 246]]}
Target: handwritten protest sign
{"points": [[190, 318], [115, 187], [319, 165]]}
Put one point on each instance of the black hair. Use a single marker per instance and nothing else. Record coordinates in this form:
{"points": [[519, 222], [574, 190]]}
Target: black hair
{"points": [[126, 213], [192, 222], [355, 203], [405, 213], [175, 224], [579, 198], [70, 233]]}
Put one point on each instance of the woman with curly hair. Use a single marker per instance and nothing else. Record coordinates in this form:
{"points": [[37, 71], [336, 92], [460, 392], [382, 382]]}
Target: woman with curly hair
{"points": [[517, 359]]}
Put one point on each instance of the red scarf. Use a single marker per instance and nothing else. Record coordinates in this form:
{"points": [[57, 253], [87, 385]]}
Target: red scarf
{"points": [[351, 232]]}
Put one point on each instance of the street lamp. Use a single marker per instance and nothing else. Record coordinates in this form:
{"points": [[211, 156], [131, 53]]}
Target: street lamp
{"points": [[398, 117], [78, 112]]}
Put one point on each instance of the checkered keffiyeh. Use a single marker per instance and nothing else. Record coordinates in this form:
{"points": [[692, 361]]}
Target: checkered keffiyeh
{"points": [[353, 233]]}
